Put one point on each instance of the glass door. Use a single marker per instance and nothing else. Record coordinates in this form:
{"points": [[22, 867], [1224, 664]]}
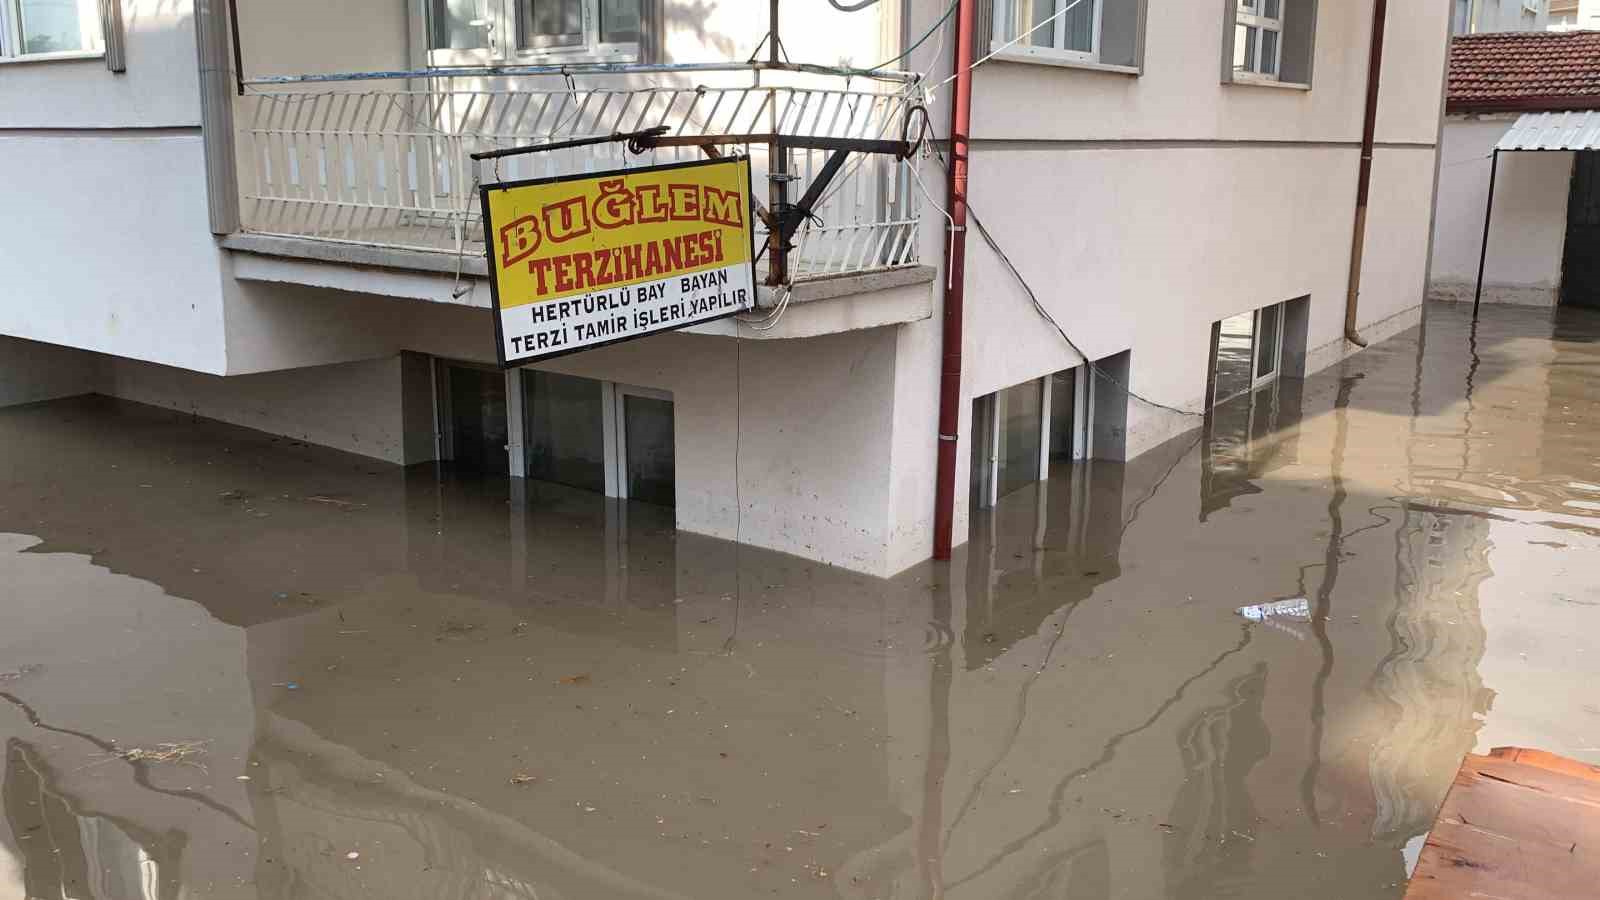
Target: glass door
{"points": [[644, 455], [475, 408]]}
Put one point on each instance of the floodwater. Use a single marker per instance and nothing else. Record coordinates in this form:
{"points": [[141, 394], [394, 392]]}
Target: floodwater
{"points": [[235, 666]]}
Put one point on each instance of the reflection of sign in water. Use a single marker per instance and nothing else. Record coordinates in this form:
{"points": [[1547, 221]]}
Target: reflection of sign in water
{"points": [[581, 261]]}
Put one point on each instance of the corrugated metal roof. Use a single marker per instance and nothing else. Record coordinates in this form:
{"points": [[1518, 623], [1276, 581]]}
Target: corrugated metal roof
{"points": [[1553, 131]]}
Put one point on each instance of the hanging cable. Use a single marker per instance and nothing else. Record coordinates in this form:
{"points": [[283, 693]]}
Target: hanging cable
{"points": [[851, 7], [919, 41], [1044, 313], [1013, 42]]}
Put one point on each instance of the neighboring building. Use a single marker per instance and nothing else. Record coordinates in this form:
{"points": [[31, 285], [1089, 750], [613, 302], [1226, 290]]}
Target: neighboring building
{"points": [[1544, 232], [1484, 16], [1574, 15], [306, 258]]}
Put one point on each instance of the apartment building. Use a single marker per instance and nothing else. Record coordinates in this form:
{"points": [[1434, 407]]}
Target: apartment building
{"points": [[1481, 16], [279, 227]]}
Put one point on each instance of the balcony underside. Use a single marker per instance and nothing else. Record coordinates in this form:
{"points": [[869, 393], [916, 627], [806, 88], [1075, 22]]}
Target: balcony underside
{"points": [[823, 304]]}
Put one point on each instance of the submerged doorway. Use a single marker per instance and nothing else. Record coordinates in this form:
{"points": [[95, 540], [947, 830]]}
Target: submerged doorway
{"points": [[1018, 431], [1580, 260], [474, 413], [612, 439], [644, 455]]}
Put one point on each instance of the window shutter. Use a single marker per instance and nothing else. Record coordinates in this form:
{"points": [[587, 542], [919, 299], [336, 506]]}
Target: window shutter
{"points": [[1122, 32], [983, 27], [1230, 9], [111, 27], [1299, 40], [652, 32]]}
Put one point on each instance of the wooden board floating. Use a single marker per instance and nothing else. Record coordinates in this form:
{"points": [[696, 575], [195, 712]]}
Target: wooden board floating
{"points": [[1516, 824]]}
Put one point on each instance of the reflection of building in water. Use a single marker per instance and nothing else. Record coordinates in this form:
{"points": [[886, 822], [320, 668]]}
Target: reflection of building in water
{"points": [[1044, 547], [1430, 677], [324, 799], [74, 855], [1246, 438], [1219, 746]]}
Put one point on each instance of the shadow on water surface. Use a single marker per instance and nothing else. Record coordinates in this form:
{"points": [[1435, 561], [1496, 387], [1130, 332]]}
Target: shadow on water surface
{"points": [[486, 694]]}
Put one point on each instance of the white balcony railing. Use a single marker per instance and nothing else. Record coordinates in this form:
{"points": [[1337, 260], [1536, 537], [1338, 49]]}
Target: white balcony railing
{"points": [[387, 163]]}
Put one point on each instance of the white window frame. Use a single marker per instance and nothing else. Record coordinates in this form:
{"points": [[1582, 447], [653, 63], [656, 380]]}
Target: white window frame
{"points": [[989, 414], [1011, 13], [91, 33], [503, 18], [1249, 15], [1257, 377], [613, 409]]}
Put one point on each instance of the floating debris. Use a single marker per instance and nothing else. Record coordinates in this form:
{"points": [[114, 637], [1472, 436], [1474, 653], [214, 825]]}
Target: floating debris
{"points": [[1297, 609], [335, 501], [521, 778], [576, 679], [178, 752], [20, 672]]}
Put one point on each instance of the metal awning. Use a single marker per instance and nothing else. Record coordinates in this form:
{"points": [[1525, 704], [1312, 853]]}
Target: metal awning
{"points": [[1575, 130], [1578, 130]]}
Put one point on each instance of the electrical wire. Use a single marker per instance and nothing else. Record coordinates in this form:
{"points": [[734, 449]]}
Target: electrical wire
{"points": [[1039, 307], [851, 7], [1011, 43], [919, 41]]}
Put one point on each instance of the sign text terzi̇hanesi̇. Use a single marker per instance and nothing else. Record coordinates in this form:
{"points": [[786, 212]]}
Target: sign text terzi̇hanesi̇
{"points": [[581, 261]]}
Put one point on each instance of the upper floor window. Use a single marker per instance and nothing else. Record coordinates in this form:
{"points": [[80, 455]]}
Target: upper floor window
{"points": [[1269, 41], [1258, 37], [46, 28], [535, 32], [1105, 32]]}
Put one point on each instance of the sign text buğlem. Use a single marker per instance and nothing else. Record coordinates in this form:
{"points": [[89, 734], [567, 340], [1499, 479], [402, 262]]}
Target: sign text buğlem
{"points": [[578, 262]]}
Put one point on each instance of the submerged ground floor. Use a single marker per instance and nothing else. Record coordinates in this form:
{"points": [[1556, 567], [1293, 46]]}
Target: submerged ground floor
{"points": [[822, 446], [239, 665]]}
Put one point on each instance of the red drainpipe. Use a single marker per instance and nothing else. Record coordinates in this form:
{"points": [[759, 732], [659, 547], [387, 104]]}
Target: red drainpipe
{"points": [[955, 264], [1369, 127]]}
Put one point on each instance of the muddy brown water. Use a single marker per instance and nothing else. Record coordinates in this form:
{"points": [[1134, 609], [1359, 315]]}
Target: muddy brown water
{"points": [[360, 681]]}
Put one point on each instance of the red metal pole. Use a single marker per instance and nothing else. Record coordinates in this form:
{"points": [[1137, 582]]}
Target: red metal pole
{"points": [[944, 498], [1369, 127]]}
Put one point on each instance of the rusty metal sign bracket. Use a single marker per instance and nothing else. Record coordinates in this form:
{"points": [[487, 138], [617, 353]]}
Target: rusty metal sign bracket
{"points": [[785, 218]]}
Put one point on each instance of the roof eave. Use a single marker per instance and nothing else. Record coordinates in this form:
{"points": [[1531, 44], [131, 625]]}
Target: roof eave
{"points": [[1522, 104]]}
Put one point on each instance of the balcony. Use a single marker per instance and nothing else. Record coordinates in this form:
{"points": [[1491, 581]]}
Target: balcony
{"points": [[379, 164]]}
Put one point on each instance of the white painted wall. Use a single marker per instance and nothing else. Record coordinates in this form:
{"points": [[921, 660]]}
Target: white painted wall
{"points": [[1529, 228], [118, 256], [354, 407], [297, 37], [1181, 96], [287, 37], [159, 89]]}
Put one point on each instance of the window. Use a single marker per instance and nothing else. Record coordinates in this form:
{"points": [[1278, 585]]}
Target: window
{"points": [[46, 28], [1104, 32], [1258, 37], [1007, 431], [1018, 431], [482, 32], [1269, 41], [565, 422], [1246, 352], [1461, 17]]}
